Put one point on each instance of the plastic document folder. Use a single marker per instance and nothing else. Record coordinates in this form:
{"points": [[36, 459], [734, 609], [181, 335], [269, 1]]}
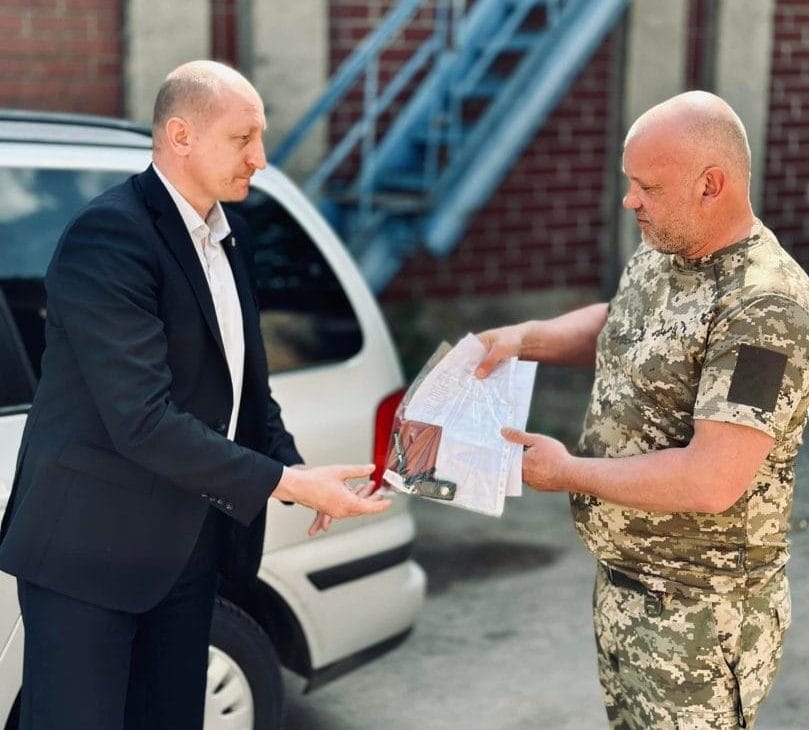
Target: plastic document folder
{"points": [[446, 444]]}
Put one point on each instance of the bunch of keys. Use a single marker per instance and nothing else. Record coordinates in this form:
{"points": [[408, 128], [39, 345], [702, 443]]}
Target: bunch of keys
{"points": [[423, 484]]}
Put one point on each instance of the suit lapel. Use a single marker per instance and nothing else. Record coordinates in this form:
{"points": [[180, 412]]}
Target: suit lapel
{"points": [[174, 233]]}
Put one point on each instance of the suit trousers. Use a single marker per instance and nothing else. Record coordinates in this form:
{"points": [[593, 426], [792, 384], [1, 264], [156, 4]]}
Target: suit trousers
{"points": [[87, 666]]}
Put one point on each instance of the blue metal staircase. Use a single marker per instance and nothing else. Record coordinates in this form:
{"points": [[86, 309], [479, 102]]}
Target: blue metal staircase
{"points": [[491, 72]]}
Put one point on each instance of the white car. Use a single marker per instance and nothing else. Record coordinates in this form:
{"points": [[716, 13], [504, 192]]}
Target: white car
{"points": [[321, 605]]}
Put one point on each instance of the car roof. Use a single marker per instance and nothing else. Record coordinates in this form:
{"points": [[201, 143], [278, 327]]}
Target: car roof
{"points": [[18, 125]]}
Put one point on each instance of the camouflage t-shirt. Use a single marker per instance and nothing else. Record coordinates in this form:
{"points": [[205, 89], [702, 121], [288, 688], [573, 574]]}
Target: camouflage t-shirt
{"points": [[722, 338]]}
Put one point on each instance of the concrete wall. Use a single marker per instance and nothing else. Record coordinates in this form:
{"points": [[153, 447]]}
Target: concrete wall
{"points": [[742, 66], [651, 75], [741, 72], [290, 68], [159, 37]]}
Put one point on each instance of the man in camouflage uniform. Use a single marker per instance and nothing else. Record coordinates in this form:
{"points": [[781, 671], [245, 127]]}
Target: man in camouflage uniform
{"points": [[682, 482]]}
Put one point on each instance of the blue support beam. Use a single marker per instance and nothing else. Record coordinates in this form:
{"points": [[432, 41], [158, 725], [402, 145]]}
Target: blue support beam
{"points": [[493, 148], [460, 131], [353, 67]]}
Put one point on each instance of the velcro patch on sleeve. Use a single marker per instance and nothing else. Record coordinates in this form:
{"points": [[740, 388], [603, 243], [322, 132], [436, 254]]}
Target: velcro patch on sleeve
{"points": [[757, 377]]}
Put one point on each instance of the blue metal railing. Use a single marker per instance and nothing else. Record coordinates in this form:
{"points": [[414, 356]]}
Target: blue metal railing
{"points": [[365, 61], [526, 99], [419, 182]]}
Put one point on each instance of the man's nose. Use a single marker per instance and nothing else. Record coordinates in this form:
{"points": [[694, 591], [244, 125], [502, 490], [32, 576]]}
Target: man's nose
{"points": [[256, 157], [631, 200]]}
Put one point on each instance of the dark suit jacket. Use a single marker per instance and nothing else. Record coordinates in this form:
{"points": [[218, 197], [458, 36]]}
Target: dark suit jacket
{"points": [[124, 450]]}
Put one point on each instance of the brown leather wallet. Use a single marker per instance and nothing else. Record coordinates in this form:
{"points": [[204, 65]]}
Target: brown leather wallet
{"points": [[418, 448]]}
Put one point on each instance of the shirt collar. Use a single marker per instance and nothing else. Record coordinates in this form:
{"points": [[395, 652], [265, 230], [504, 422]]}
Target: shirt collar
{"points": [[216, 224]]}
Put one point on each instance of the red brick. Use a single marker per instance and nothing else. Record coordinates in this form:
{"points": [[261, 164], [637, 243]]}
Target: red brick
{"points": [[27, 4], [49, 25], [12, 23]]}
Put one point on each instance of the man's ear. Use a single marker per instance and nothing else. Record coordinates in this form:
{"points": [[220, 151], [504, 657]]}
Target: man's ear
{"points": [[713, 183], [178, 136]]}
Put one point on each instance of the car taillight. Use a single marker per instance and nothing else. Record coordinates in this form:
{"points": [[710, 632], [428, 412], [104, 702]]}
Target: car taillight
{"points": [[385, 412]]}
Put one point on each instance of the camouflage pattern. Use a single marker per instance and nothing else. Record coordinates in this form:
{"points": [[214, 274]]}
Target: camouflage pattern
{"points": [[722, 338], [698, 665]]}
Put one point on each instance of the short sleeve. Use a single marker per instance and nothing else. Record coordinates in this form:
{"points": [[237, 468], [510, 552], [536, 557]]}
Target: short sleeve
{"points": [[756, 367]]}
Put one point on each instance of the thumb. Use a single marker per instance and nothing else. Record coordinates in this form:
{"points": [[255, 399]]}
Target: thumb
{"points": [[515, 436], [486, 365]]}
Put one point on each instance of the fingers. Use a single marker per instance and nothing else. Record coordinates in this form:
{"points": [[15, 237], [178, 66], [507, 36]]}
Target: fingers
{"points": [[366, 489], [353, 471], [515, 436], [500, 344], [322, 522], [362, 501], [368, 506]]}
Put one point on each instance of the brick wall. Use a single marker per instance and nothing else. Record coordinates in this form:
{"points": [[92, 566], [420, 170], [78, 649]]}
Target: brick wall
{"points": [[350, 21], [543, 225], [61, 55], [786, 192]]}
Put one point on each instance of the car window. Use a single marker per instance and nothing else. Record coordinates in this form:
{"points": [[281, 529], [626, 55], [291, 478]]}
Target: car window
{"points": [[16, 378], [306, 318], [36, 205]]}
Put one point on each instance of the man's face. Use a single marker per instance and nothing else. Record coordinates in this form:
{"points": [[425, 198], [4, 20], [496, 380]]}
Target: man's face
{"points": [[227, 148], [663, 193]]}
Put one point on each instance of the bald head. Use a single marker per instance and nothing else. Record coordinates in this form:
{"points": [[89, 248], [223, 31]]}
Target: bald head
{"points": [[704, 126], [687, 163], [194, 91], [207, 133]]}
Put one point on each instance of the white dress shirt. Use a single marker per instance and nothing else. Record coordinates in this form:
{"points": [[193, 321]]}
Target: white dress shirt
{"points": [[207, 236]]}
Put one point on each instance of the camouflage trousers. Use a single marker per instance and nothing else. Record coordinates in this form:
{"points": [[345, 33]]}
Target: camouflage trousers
{"points": [[673, 663]]}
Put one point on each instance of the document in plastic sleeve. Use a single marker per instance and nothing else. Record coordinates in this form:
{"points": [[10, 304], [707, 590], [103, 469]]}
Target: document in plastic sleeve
{"points": [[446, 442]]}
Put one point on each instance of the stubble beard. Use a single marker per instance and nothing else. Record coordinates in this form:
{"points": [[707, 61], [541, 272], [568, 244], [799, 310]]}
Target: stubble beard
{"points": [[668, 242]]}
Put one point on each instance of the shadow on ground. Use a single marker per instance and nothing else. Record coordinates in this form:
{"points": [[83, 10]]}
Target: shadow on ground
{"points": [[448, 563]]}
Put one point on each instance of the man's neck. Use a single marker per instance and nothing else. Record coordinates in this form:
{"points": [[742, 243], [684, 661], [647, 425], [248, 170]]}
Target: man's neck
{"points": [[183, 187]]}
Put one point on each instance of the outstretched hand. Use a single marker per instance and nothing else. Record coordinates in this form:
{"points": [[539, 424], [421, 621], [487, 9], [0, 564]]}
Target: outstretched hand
{"points": [[323, 521], [324, 489], [543, 461]]}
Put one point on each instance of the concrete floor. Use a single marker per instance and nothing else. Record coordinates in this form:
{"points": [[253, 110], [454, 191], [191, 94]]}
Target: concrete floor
{"points": [[504, 641]]}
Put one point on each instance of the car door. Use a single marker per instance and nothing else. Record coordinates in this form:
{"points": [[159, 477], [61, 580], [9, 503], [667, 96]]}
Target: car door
{"points": [[16, 390]]}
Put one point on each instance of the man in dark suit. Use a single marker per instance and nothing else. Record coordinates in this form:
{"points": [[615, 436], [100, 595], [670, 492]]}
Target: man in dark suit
{"points": [[153, 442]]}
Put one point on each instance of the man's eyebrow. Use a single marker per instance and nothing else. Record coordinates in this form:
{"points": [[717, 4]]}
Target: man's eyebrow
{"points": [[641, 181]]}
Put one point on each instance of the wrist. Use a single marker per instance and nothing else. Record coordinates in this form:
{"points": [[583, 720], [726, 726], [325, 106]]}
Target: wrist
{"points": [[288, 485], [530, 336]]}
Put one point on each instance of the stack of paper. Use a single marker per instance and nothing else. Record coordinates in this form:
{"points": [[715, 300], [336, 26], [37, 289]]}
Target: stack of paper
{"points": [[470, 411]]}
